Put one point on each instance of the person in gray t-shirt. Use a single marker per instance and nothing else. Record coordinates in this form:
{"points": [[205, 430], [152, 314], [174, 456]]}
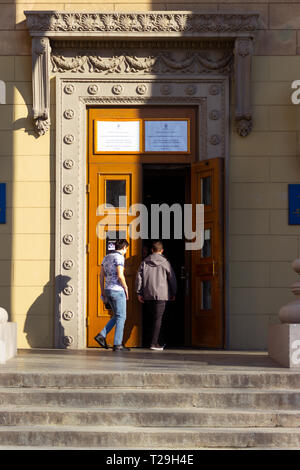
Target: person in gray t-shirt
{"points": [[115, 292]]}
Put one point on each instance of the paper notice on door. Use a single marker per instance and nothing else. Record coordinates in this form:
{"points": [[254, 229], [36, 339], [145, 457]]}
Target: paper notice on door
{"points": [[166, 136], [118, 136]]}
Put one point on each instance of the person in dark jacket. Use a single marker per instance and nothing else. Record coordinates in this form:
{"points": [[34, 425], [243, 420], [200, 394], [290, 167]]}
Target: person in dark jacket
{"points": [[155, 285]]}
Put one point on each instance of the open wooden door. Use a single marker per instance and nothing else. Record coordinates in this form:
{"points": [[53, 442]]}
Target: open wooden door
{"points": [[207, 264], [108, 215]]}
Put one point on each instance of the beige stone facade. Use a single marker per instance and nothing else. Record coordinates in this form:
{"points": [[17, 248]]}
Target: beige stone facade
{"points": [[261, 244]]}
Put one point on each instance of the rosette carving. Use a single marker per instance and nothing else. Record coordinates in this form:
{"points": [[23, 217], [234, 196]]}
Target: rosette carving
{"points": [[93, 89], [68, 264], [68, 340], [69, 114], [68, 239], [68, 290], [69, 139], [117, 89], [68, 164], [68, 214], [215, 139], [69, 89], [68, 188], [68, 315]]}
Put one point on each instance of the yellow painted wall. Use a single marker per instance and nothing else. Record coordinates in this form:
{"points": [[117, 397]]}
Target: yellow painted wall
{"points": [[262, 245]]}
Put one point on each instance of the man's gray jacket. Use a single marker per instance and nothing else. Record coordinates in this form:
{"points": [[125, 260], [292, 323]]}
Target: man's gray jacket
{"points": [[155, 279]]}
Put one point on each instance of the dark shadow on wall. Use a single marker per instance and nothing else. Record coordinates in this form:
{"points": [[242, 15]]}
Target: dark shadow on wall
{"points": [[40, 318], [38, 338]]}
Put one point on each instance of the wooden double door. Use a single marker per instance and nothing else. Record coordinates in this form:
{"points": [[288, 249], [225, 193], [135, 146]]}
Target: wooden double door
{"points": [[119, 180]]}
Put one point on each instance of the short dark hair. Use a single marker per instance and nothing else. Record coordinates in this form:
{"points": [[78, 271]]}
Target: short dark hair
{"points": [[121, 243], [157, 246]]}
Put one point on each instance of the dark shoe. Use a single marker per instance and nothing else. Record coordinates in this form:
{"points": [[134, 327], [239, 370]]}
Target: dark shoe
{"points": [[101, 340], [120, 347]]}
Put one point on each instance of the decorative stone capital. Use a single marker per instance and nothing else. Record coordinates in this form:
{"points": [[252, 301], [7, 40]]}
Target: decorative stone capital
{"points": [[41, 84], [290, 313]]}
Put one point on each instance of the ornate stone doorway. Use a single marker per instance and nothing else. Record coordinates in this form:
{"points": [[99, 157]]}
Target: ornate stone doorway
{"points": [[132, 59]]}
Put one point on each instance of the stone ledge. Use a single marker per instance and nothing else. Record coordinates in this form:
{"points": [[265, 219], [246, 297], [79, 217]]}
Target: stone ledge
{"points": [[8, 341], [284, 344]]}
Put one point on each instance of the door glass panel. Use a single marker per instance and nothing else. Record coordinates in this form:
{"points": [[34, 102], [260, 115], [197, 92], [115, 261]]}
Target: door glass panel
{"points": [[205, 295], [206, 190], [115, 189], [111, 237], [206, 250]]}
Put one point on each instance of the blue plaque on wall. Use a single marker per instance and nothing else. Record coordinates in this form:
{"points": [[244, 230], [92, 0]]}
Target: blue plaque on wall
{"points": [[2, 203], [294, 204]]}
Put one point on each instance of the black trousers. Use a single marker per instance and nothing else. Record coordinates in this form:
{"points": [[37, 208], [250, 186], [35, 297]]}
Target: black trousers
{"points": [[155, 309]]}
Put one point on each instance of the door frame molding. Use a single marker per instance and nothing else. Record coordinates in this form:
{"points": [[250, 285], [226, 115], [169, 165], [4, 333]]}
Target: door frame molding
{"points": [[72, 99]]}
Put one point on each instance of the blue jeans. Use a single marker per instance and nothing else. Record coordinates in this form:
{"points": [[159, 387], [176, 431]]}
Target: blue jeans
{"points": [[117, 300]]}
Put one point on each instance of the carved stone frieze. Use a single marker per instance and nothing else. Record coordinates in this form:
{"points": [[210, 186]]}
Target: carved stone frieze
{"points": [[128, 63], [148, 22]]}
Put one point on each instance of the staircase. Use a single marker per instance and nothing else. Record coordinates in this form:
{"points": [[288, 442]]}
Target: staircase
{"points": [[150, 410]]}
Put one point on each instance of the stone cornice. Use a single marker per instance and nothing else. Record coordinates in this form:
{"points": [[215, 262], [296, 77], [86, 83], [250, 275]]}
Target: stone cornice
{"points": [[171, 24], [144, 27]]}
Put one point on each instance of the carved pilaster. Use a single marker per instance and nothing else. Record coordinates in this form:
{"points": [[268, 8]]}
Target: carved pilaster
{"points": [[243, 55], [41, 83]]}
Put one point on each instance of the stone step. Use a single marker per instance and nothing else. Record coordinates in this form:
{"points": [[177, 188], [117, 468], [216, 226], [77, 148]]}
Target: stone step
{"points": [[141, 437], [154, 398], [93, 379], [17, 415]]}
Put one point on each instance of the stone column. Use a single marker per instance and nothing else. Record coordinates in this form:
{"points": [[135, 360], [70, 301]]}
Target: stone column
{"points": [[41, 83], [242, 63], [284, 338]]}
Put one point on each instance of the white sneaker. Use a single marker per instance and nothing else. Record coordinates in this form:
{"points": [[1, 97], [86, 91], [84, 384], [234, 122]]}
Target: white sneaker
{"points": [[157, 348]]}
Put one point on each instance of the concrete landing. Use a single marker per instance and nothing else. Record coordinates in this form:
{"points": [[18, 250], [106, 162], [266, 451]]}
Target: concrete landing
{"points": [[141, 360]]}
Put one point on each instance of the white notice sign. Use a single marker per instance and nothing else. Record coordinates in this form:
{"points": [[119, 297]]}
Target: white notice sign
{"points": [[118, 136], [166, 136]]}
